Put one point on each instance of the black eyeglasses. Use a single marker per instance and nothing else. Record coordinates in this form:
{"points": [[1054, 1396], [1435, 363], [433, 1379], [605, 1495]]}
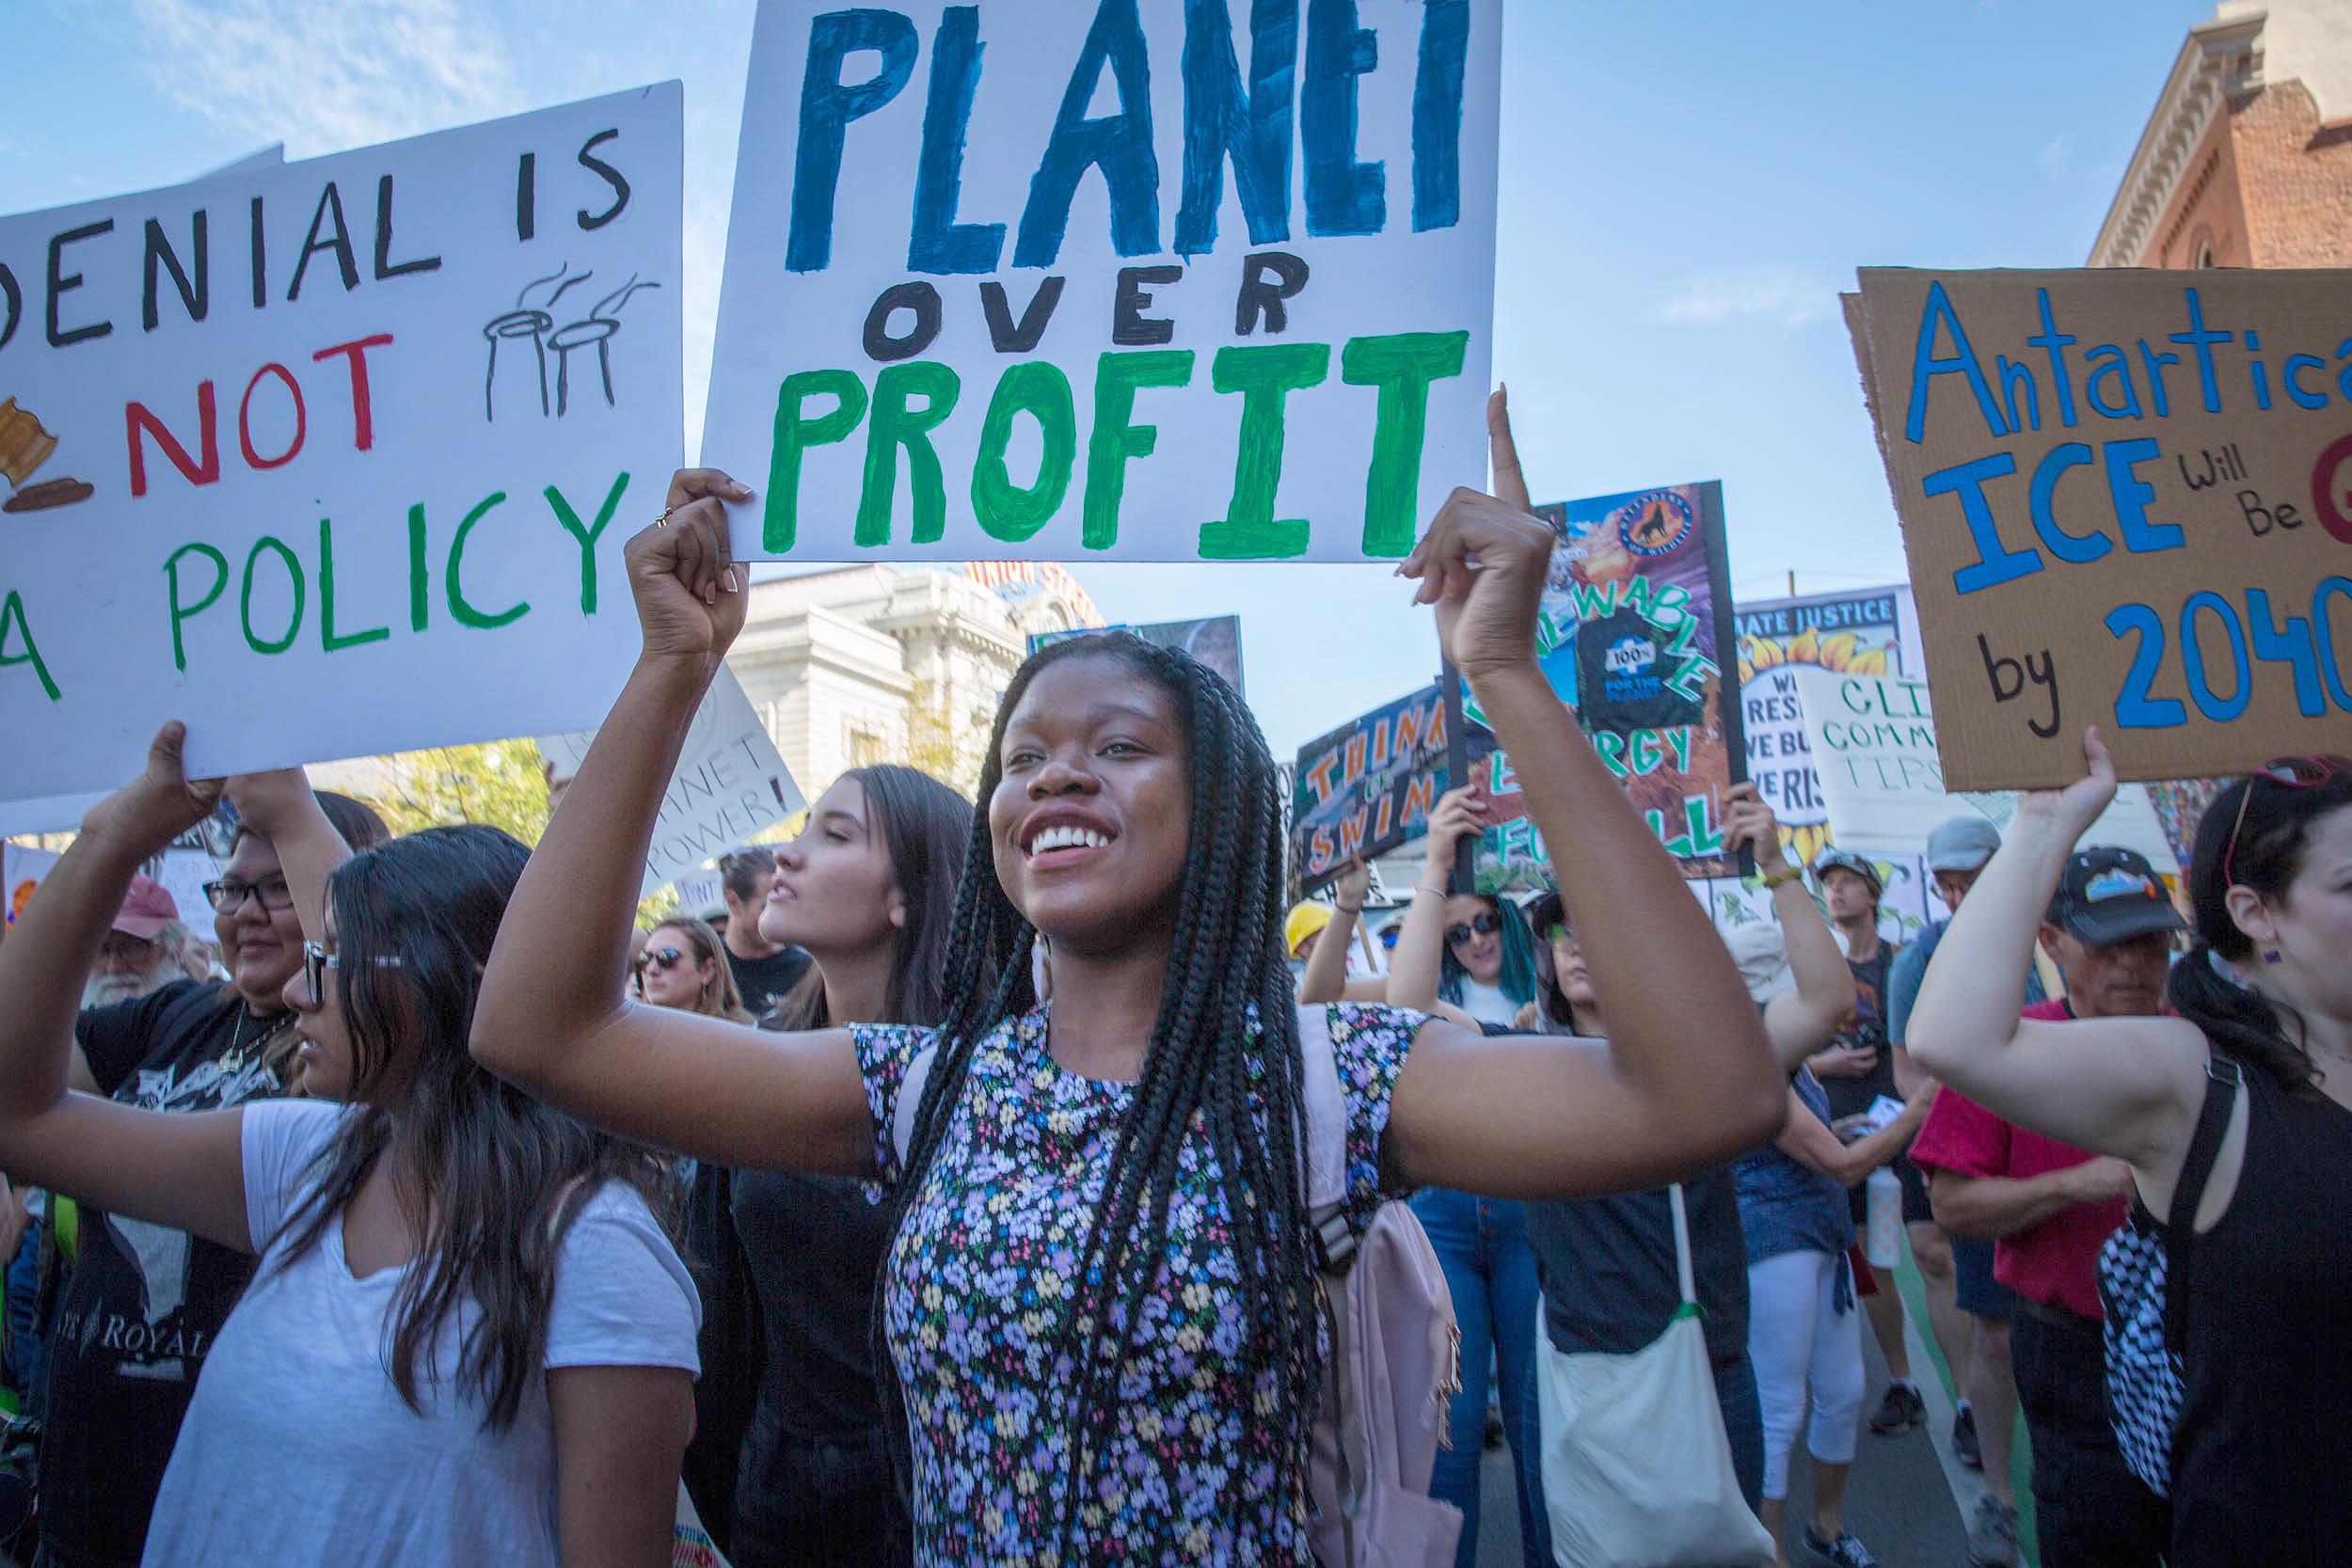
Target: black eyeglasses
{"points": [[229, 893], [2294, 772], [317, 960], [663, 959], [1484, 925]]}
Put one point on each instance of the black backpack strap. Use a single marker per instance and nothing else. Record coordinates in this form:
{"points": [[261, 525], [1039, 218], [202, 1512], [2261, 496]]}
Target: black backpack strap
{"points": [[2223, 1083]]}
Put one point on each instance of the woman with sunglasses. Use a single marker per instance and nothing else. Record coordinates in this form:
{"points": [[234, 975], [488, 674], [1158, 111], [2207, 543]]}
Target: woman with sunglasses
{"points": [[1101, 1302], [493, 1340], [684, 965], [1471, 951], [2262, 1049]]}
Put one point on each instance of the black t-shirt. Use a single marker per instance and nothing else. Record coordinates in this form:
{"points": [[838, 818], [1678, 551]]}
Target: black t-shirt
{"points": [[144, 1303], [1607, 1267], [1851, 1096], [765, 981], [814, 1245]]}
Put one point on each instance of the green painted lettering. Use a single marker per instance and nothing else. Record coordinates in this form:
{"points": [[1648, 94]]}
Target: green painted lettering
{"points": [[587, 537], [795, 433], [1003, 509], [459, 607], [1401, 365], [327, 639], [420, 573], [12, 616], [894, 425], [180, 610], [1265, 375], [292, 563], [1117, 437]]}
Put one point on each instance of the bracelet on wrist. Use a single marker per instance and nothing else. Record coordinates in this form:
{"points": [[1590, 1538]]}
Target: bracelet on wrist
{"points": [[1419, 888], [1786, 875], [1348, 908]]}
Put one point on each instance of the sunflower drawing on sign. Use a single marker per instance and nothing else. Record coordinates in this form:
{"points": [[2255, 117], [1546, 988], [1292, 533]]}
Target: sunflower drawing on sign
{"points": [[1850, 634], [25, 446]]}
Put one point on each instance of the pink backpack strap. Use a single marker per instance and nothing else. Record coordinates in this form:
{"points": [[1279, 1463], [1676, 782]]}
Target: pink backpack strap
{"points": [[1326, 1134]]}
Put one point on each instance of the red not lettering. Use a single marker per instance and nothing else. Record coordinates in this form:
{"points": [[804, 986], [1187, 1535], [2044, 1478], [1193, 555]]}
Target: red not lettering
{"points": [[138, 420], [244, 429], [363, 409]]}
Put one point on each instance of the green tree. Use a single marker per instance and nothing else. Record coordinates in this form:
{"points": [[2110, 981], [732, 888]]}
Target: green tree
{"points": [[501, 784], [937, 741]]}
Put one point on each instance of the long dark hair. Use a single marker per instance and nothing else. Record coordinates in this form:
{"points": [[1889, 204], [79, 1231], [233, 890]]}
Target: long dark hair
{"points": [[926, 826], [1546, 910], [1517, 979], [1225, 963], [2270, 841], [489, 1163]]}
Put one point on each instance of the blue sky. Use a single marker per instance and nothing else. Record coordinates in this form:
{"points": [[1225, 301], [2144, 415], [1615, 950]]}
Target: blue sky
{"points": [[1685, 186]]}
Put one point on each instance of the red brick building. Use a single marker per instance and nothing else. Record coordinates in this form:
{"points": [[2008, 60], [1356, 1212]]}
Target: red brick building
{"points": [[2246, 161]]}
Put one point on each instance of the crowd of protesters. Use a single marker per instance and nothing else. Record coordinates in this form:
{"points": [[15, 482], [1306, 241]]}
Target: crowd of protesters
{"points": [[956, 1198]]}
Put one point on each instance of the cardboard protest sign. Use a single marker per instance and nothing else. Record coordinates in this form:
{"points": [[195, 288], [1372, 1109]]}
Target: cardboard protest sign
{"points": [[1134, 280], [1635, 626], [1369, 784], [2127, 501], [336, 457], [1856, 633], [1214, 641], [729, 786], [1873, 738]]}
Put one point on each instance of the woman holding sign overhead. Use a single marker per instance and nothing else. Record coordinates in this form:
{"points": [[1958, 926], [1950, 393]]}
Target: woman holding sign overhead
{"points": [[2236, 1119], [1102, 1305]]}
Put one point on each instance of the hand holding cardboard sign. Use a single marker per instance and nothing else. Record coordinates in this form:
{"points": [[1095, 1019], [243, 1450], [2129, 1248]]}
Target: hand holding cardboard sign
{"points": [[690, 603], [2073, 809], [157, 806]]}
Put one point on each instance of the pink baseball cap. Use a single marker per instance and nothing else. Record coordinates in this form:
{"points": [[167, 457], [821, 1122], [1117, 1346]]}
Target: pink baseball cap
{"points": [[145, 908]]}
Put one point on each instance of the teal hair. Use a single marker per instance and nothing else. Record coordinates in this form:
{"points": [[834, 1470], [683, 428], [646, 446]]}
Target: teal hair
{"points": [[1517, 979]]}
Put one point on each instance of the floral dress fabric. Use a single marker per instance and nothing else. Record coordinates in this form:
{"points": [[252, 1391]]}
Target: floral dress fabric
{"points": [[980, 1283]]}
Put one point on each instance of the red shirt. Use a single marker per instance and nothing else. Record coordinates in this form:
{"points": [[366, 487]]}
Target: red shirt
{"points": [[2054, 1263]]}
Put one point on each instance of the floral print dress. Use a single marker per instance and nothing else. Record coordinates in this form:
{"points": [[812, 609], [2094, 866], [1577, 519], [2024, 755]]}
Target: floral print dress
{"points": [[981, 1281]]}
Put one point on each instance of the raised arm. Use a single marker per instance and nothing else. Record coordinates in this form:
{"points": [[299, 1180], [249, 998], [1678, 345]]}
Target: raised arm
{"points": [[1800, 1021], [1326, 979], [552, 1015], [2130, 1087], [186, 1172], [1416, 960], [1686, 1079], [282, 808]]}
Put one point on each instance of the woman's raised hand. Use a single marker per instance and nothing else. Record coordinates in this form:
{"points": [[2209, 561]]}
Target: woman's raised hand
{"points": [[159, 805], [2080, 804], [1482, 564], [269, 801], [1747, 820], [1458, 814], [688, 590]]}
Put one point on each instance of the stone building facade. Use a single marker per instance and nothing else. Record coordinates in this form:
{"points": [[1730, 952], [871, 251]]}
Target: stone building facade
{"points": [[880, 663]]}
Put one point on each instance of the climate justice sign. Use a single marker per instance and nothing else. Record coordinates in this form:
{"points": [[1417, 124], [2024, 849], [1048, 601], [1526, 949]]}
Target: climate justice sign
{"points": [[337, 458], [1127, 279], [2127, 501]]}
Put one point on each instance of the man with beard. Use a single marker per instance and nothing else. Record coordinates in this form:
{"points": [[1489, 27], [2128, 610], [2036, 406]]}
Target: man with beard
{"points": [[134, 961]]}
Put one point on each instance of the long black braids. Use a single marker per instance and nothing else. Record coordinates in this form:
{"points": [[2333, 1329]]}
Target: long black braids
{"points": [[1239, 1086]]}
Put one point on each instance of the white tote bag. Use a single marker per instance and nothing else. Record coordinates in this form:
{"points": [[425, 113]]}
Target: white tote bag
{"points": [[1637, 1470]]}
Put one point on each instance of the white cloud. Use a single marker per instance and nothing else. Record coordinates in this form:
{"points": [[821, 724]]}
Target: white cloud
{"points": [[322, 78], [2054, 158], [1791, 301]]}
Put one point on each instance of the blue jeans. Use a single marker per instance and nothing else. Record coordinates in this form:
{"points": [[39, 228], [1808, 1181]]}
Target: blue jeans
{"points": [[1743, 1424], [1482, 1244]]}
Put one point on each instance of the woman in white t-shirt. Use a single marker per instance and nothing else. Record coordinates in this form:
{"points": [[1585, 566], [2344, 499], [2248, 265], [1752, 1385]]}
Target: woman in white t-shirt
{"points": [[470, 1339]]}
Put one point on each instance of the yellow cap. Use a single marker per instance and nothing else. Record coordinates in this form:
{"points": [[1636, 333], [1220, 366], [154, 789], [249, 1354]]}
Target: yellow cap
{"points": [[1304, 922]]}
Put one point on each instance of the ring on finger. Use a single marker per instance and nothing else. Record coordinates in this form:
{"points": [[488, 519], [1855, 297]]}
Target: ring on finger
{"points": [[663, 521]]}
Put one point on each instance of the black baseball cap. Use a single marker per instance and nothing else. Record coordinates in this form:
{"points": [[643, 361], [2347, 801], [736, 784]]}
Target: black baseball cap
{"points": [[2108, 894]]}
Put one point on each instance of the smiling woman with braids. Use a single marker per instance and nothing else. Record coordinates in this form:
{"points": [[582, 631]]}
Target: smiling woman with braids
{"points": [[1101, 1305]]}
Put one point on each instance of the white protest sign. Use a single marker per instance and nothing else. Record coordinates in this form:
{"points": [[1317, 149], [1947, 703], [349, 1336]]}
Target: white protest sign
{"points": [[1134, 280], [1874, 740], [21, 868], [730, 784], [183, 873], [337, 458]]}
